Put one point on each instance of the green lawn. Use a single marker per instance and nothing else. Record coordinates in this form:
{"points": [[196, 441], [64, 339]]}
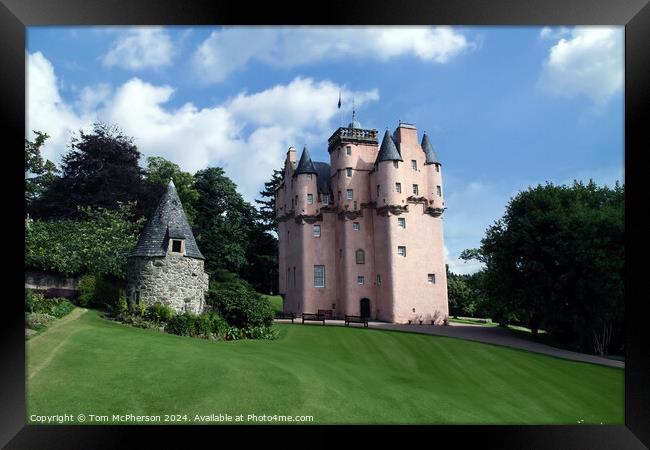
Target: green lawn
{"points": [[336, 374], [276, 301]]}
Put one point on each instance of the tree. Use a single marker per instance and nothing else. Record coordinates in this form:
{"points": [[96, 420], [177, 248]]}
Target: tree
{"points": [[43, 172], [556, 260], [222, 221], [160, 170], [460, 295], [100, 170], [267, 210]]}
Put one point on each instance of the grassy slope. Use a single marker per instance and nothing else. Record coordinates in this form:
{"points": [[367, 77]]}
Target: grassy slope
{"points": [[338, 375]]}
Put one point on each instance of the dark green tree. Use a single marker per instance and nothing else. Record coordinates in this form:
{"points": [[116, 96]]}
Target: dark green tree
{"points": [[222, 222], [100, 170], [160, 170], [39, 172], [267, 201], [556, 261]]}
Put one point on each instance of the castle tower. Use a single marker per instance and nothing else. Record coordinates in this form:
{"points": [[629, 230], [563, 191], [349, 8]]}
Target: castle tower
{"points": [[363, 234], [353, 151], [167, 265], [412, 228]]}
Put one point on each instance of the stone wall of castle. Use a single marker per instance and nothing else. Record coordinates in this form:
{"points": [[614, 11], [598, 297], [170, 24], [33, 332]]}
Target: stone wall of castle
{"points": [[174, 280]]}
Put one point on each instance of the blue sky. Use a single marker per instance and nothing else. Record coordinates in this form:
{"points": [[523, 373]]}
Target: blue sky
{"points": [[505, 107]]}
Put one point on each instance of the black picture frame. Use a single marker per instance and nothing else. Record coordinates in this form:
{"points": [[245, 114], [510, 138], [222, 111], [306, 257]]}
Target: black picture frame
{"points": [[15, 15]]}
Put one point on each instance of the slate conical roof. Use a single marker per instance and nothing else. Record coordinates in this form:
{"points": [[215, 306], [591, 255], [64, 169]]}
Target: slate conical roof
{"points": [[169, 221], [305, 165], [388, 150], [429, 151]]}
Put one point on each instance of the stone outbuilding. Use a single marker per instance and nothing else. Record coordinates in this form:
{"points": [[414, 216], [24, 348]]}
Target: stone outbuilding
{"points": [[167, 265]]}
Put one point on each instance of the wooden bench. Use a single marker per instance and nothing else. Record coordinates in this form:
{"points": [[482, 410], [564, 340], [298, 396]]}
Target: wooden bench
{"points": [[356, 319], [327, 312], [283, 315], [313, 317]]}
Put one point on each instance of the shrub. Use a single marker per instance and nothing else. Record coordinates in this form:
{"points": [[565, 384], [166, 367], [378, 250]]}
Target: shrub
{"points": [[121, 307], [35, 302], [32, 300], [139, 310], [159, 312], [37, 321], [59, 306], [240, 305], [86, 288], [181, 324]]}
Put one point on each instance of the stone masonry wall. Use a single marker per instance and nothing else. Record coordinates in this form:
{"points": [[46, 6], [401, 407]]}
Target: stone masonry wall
{"points": [[174, 280]]}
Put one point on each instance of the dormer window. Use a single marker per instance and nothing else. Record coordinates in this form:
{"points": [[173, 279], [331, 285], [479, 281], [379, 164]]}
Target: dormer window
{"points": [[309, 176], [178, 246]]}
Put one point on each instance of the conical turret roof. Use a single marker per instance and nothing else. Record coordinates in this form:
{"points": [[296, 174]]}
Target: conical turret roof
{"points": [[429, 151], [305, 165], [169, 221], [388, 150]]}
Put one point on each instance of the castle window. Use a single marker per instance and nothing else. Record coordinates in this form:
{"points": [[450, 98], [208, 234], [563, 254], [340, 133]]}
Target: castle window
{"points": [[414, 164], [310, 199], [339, 196], [398, 188], [355, 205], [340, 253], [401, 222], [319, 276], [333, 305], [431, 278], [395, 164], [349, 194], [348, 150], [378, 280], [177, 246], [348, 172], [437, 167], [415, 189], [326, 198], [309, 176], [360, 279], [377, 190], [355, 226], [296, 201], [438, 191], [361, 256], [316, 230], [401, 250]]}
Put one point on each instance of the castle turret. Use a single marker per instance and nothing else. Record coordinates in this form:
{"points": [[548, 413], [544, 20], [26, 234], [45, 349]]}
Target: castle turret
{"points": [[305, 188], [166, 265], [434, 177]]}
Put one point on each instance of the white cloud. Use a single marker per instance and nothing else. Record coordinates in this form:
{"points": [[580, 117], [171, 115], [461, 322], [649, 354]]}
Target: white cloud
{"points": [[553, 33], [589, 62], [247, 135], [230, 49], [46, 110], [139, 48]]}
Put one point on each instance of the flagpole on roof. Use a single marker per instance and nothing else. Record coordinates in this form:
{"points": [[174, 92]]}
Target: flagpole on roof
{"points": [[339, 106]]}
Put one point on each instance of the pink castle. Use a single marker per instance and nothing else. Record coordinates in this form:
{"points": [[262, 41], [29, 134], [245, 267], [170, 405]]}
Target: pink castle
{"points": [[363, 235]]}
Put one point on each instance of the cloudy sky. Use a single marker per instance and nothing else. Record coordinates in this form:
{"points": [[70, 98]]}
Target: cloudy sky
{"points": [[506, 107]]}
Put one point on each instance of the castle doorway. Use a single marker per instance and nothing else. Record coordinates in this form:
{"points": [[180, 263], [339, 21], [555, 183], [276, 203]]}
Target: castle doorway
{"points": [[364, 307]]}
